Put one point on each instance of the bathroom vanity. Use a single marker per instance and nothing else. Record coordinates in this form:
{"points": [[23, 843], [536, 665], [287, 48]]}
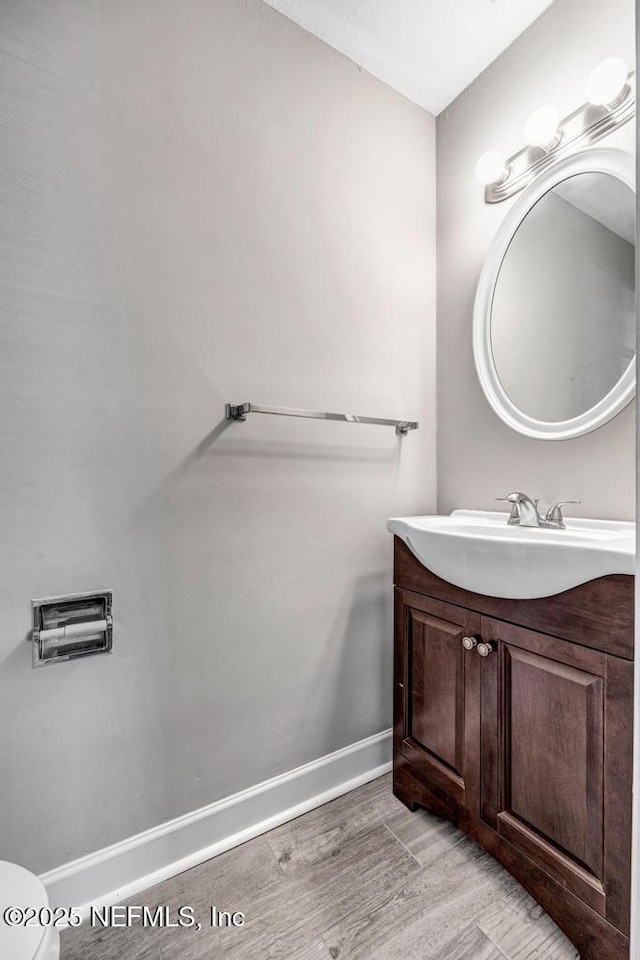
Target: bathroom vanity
{"points": [[513, 696], [513, 719]]}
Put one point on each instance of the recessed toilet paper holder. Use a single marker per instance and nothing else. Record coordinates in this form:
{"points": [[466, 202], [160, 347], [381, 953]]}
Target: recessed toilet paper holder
{"points": [[72, 626]]}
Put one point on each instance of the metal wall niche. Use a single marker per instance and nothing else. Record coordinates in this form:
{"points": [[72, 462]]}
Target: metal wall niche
{"points": [[72, 626]]}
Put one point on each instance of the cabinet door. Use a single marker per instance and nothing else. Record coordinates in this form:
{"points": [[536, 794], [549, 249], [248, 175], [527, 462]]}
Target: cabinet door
{"points": [[556, 757], [437, 695]]}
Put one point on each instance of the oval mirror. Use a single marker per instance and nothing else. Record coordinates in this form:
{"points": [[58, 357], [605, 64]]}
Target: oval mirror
{"points": [[554, 318]]}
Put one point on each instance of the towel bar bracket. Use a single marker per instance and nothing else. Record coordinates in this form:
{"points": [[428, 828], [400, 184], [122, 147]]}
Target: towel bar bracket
{"points": [[237, 411]]}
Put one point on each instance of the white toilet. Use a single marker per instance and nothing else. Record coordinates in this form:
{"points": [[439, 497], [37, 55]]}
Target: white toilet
{"points": [[19, 888]]}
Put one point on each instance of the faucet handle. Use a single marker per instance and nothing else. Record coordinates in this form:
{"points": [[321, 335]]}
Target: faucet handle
{"points": [[554, 513], [514, 516]]}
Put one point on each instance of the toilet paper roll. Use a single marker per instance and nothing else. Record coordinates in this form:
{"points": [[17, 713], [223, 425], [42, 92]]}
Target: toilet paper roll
{"points": [[71, 630]]}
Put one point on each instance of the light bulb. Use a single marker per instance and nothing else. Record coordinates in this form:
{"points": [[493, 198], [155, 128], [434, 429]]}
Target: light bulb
{"points": [[541, 129], [491, 167], [606, 82]]}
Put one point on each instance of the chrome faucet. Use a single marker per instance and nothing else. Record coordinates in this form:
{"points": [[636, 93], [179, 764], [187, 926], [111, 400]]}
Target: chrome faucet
{"points": [[524, 512]]}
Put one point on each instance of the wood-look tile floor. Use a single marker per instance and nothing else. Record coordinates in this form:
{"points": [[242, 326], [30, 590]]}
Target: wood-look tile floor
{"points": [[360, 878]]}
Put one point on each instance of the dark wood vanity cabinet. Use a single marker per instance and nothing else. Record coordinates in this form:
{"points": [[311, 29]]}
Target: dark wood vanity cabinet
{"points": [[437, 696], [529, 747]]}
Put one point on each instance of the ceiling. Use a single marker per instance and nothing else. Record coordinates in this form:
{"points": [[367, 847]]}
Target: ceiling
{"points": [[428, 50]]}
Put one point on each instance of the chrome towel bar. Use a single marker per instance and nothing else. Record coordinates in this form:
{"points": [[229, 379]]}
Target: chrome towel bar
{"points": [[239, 411]]}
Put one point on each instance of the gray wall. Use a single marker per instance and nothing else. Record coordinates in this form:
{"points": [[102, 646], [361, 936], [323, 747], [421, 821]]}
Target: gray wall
{"points": [[201, 203], [479, 457]]}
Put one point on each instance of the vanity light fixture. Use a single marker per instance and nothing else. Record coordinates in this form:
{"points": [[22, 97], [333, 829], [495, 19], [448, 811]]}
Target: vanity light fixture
{"points": [[541, 129], [610, 102], [492, 168], [607, 82]]}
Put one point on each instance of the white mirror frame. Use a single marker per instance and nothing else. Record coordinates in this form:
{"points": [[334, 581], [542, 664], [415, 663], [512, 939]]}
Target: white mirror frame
{"points": [[617, 163]]}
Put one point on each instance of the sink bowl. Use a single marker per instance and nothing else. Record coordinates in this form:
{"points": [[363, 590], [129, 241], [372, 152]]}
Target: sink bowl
{"points": [[478, 551]]}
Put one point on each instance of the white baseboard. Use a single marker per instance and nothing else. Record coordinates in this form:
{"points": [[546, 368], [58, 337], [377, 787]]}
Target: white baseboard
{"points": [[130, 866]]}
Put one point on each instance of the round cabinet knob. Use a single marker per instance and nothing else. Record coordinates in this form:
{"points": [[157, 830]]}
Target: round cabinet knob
{"points": [[469, 642], [484, 649]]}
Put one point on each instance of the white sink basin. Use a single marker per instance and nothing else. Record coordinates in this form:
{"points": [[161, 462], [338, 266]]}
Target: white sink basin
{"points": [[480, 552]]}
